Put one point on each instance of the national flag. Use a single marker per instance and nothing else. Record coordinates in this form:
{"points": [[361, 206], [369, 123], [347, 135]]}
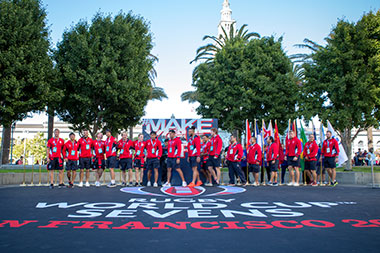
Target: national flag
{"points": [[276, 135], [342, 153], [321, 134], [314, 131], [294, 127], [258, 135], [303, 140], [248, 133]]}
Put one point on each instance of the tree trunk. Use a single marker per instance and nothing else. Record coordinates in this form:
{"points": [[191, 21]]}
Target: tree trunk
{"points": [[347, 145], [6, 141], [50, 123], [370, 137], [131, 133]]}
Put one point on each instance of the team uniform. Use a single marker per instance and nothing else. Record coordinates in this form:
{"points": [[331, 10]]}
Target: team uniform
{"points": [[205, 149], [215, 151], [139, 154], [70, 152], [125, 154], [194, 150], [330, 150], [174, 153], [254, 157], [55, 153], [111, 145], [310, 153], [99, 152], [85, 154], [273, 155], [234, 156], [293, 149], [154, 152]]}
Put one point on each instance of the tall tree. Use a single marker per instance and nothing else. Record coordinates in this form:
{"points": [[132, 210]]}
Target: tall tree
{"points": [[106, 70], [246, 80], [25, 66], [342, 79]]}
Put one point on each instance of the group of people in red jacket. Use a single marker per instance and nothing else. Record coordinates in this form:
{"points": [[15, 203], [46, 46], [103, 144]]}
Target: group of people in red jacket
{"points": [[203, 155]]}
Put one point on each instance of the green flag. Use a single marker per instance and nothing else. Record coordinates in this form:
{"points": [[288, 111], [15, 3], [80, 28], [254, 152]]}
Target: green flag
{"points": [[303, 140]]}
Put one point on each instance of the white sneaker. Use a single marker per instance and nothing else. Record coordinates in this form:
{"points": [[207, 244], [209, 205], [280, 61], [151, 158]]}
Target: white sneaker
{"points": [[80, 184], [296, 184], [290, 184], [208, 184], [255, 184], [184, 184], [155, 184], [149, 184], [97, 184], [87, 184], [167, 184]]}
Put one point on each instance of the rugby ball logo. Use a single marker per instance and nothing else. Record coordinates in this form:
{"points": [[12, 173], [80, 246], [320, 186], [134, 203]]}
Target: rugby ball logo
{"points": [[178, 191]]}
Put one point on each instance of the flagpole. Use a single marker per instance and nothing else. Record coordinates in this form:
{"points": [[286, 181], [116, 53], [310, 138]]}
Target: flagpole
{"points": [[320, 158], [262, 165], [246, 147]]}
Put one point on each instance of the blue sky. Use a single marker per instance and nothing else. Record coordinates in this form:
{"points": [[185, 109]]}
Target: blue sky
{"points": [[178, 27]]}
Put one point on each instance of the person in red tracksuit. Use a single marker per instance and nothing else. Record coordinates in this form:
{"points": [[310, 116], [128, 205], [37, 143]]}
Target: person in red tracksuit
{"points": [[71, 156], [254, 159], [330, 153], [54, 155], [174, 158], [139, 159], [99, 148], [194, 155], [292, 156], [205, 147], [85, 155], [125, 145], [111, 156], [215, 155], [234, 156], [310, 152], [273, 160], [154, 152]]}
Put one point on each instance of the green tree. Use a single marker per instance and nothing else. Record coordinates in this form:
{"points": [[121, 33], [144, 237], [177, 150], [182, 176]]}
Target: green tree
{"points": [[25, 66], [342, 79], [246, 80], [35, 148], [106, 71]]}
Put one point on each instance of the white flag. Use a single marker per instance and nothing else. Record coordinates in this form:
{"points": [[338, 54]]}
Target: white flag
{"points": [[342, 153]]}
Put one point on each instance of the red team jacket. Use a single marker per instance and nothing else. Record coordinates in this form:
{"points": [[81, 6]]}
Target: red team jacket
{"points": [[194, 146], [125, 148], [216, 146], [175, 148], [272, 153], [55, 146], [235, 152], [153, 148], [99, 149], [293, 147], [139, 148], [310, 151], [85, 146], [70, 150], [254, 154], [205, 149], [111, 144], [330, 148]]}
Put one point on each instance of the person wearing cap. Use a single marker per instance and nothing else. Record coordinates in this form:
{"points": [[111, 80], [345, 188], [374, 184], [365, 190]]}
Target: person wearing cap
{"points": [[174, 158]]}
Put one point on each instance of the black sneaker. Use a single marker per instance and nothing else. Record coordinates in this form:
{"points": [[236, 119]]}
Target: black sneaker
{"points": [[275, 184], [51, 186], [61, 186], [123, 184], [71, 185], [111, 185]]}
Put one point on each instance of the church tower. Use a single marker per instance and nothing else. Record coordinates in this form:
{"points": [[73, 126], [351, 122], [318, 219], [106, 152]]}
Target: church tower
{"points": [[226, 20]]}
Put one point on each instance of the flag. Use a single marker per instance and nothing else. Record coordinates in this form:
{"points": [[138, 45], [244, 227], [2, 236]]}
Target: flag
{"points": [[303, 140], [248, 133], [321, 135], [294, 127], [259, 139], [276, 135], [314, 131], [342, 153]]}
